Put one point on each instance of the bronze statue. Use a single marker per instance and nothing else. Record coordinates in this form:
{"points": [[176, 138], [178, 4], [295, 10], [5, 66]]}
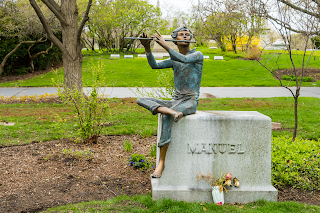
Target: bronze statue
{"points": [[187, 66]]}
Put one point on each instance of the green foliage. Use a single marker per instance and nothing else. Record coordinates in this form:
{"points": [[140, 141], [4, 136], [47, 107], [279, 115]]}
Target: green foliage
{"points": [[127, 145], [88, 154], [297, 163], [153, 151], [129, 18], [293, 78], [316, 41], [140, 161], [59, 126], [165, 82], [91, 110]]}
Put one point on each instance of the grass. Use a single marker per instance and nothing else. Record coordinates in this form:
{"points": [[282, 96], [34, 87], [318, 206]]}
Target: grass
{"points": [[144, 203], [136, 72], [279, 109], [38, 121]]}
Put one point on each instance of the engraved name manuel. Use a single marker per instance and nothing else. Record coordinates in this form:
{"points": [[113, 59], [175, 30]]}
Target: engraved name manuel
{"points": [[210, 148]]}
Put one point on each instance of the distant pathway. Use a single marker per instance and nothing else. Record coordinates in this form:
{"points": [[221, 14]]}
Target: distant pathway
{"points": [[205, 92]]}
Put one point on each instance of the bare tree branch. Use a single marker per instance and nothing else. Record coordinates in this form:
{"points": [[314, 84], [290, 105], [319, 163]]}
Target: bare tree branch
{"points": [[317, 2], [13, 51], [84, 20], [52, 5], [48, 30], [300, 9], [32, 57], [284, 24]]}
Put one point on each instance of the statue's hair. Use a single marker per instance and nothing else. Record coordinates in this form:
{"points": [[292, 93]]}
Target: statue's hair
{"points": [[175, 33]]}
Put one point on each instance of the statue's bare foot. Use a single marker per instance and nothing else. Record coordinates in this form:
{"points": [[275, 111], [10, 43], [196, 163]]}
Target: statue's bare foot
{"points": [[177, 116], [158, 172]]}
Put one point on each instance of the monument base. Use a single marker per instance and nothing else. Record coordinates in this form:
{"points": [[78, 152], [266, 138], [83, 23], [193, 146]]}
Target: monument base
{"points": [[218, 142], [184, 193]]}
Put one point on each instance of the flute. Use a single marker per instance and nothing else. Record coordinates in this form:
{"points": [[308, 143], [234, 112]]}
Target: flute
{"points": [[189, 41]]}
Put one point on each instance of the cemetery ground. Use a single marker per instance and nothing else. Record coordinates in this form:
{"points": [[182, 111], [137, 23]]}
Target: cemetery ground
{"points": [[43, 167], [232, 71]]}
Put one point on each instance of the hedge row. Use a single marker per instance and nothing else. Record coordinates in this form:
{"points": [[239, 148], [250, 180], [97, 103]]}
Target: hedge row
{"points": [[19, 62]]}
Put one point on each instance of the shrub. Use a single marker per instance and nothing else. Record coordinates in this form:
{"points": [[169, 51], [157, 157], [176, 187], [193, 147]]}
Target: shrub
{"points": [[307, 79], [293, 78], [140, 161], [296, 164], [91, 111], [254, 53]]}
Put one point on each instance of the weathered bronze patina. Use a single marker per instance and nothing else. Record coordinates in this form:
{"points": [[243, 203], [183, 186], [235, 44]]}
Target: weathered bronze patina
{"points": [[187, 67]]}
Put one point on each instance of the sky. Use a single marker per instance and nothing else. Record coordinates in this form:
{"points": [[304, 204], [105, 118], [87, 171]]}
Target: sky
{"points": [[173, 5]]}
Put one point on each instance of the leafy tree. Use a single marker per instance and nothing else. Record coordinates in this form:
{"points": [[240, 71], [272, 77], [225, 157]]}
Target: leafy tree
{"points": [[113, 20], [66, 11], [228, 21], [13, 18]]}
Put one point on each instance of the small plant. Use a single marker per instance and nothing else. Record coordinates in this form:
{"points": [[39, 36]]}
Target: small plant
{"points": [[127, 145], [153, 151], [59, 126], [165, 88], [92, 110], [223, 181], [140, 161], [78, 154], [47, 158]]}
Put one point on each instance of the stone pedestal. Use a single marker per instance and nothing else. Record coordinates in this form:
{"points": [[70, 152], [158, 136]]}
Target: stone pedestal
{"points": [[215, 142]]}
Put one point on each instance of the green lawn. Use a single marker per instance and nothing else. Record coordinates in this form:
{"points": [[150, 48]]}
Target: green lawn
{"points": [[136, 72], [144, 203], [34, 122]]}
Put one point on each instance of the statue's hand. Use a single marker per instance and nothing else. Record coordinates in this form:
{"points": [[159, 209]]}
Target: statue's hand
{"points": [[160, 40], [145, 43]]}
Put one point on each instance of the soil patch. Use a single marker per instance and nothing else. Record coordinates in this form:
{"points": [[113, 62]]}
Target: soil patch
{"points": [[30, 75], [37, 176], [311, 72]]}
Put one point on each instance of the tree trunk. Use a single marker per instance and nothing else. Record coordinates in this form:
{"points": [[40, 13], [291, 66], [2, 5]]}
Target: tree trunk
{"points": [[1, 69], [295, 117], [72, 59], [72, 72]]}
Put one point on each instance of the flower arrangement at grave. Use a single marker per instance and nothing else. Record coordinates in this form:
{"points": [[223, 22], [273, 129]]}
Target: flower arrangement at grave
{"points": [[221, 182]]}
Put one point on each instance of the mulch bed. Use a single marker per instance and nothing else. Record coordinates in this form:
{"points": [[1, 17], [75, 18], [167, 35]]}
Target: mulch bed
{"points": [[37, 176]]}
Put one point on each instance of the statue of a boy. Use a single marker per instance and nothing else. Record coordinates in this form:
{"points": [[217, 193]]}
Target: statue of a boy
{"points": [[187, 66]]}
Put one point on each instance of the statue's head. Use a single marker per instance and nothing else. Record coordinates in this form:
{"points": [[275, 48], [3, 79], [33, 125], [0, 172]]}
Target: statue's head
{"points": [[175, 33]]}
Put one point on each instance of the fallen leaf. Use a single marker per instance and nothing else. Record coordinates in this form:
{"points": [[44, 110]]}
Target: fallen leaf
{"points": [[205, 209]]}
